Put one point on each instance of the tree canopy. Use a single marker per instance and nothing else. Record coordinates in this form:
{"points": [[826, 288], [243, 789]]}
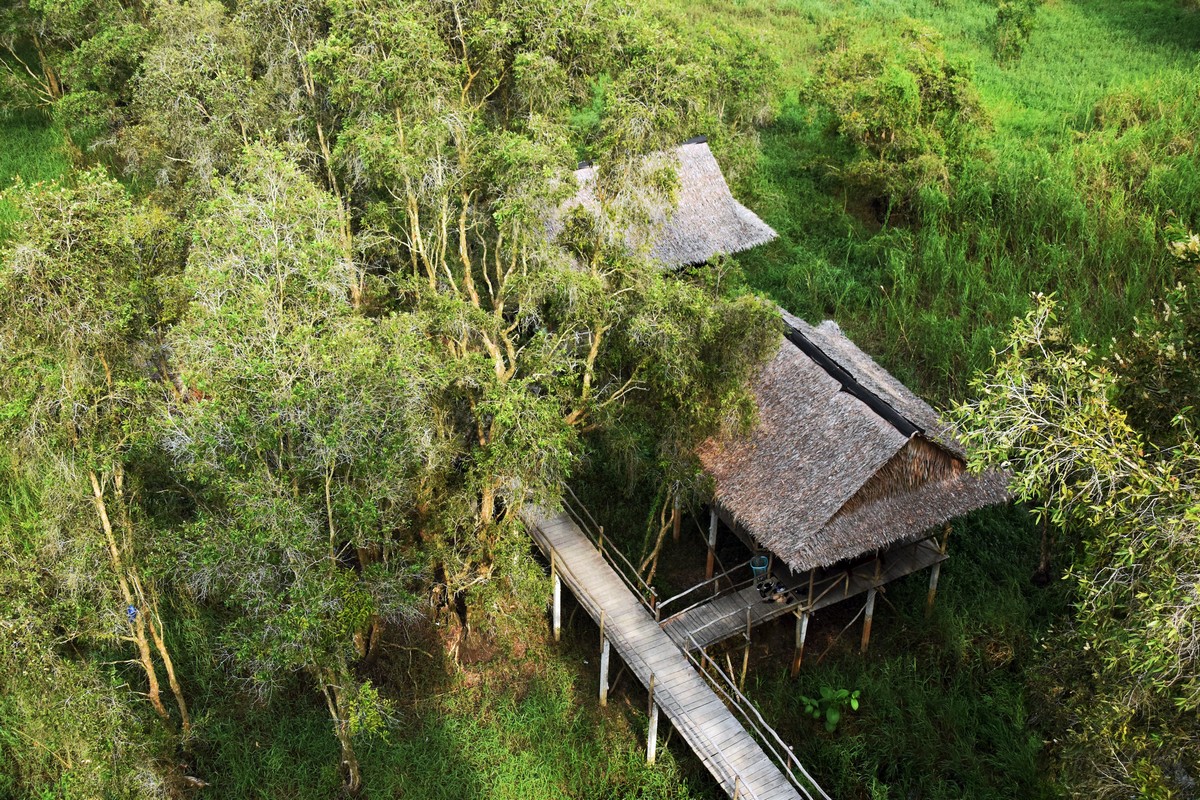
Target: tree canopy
{"points": [[301, 372]]}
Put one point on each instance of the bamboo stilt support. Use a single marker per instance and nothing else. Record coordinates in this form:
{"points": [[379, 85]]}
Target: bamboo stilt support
{"points": [[652, 734], [866, 635], [801, 634]]}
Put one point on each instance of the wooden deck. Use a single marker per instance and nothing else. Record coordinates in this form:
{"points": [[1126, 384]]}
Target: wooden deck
{"points": [[731, 754], [730, 614]]}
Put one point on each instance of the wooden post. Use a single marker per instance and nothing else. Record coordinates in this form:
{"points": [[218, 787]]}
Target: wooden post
{"points": [[936, 571], [600, 541], [557, 613], [745, 653], [933, 580], [737, 787], [812, 576], [712, 544], [801, 633], [676, 517], [604, 672], [866, 636], [652, 735]]}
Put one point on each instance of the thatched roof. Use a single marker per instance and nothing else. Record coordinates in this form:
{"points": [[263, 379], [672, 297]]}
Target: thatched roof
{"points": [[706, 222], [844, 461]]}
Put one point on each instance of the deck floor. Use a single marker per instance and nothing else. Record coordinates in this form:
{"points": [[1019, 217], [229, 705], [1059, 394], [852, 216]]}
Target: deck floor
{"points": [[716, 736], [727, 615]]}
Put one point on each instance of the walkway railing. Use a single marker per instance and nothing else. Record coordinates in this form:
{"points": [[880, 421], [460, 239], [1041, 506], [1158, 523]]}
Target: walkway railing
{"points": [[714, 581], [742, 790], [594, 531], [776, 750], [772, 744]]}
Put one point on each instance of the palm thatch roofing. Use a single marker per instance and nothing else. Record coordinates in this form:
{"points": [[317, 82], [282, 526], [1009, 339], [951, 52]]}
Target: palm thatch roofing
{"points": [[705, 222], [845, 459]]}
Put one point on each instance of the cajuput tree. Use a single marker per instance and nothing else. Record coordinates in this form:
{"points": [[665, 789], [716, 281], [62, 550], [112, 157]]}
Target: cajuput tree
{"points": [[81, 373], [456, 146], [1124, 671], [74, 60], [304, 426]]}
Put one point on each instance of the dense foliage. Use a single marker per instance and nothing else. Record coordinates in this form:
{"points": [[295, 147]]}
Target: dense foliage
{"points": [[1128, 673], [300, 382], [286, 348]]}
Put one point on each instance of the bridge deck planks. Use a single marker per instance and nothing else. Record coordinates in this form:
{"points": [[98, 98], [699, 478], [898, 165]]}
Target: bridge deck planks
{"points": [[698, 714]]}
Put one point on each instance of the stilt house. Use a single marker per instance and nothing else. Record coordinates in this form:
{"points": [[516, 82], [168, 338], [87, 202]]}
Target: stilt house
{"points": [[848, 480]]}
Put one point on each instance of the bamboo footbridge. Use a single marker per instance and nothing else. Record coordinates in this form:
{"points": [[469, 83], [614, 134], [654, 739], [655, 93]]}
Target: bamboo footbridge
{"points": [[748, 767]]}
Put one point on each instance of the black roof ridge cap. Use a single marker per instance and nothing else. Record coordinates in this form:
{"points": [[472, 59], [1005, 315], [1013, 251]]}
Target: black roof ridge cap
{"points": [[850, 385]]}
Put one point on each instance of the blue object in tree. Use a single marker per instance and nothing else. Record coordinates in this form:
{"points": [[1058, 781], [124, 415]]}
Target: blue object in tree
{"points": [[131, 612]]}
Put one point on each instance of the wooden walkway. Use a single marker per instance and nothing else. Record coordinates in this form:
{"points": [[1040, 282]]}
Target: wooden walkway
{"points": [[731, 754], [732, 613]]}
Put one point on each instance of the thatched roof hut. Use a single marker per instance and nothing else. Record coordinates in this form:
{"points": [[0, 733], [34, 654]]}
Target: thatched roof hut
{"points": [[705, 222], [844, 461]]}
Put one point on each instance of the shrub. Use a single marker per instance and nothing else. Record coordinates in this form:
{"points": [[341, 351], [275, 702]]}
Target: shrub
{"points": [[911, 114]]}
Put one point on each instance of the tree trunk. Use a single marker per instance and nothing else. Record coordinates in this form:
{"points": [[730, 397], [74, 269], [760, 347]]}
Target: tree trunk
{"points": [[1042, 576], [341, 728], [137, 623]]}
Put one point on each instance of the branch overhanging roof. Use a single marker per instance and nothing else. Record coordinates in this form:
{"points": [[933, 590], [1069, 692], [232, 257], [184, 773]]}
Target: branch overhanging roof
{"points": [[705, 222]]}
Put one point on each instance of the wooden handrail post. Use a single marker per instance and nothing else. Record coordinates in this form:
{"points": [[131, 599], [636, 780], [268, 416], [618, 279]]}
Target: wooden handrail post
{"points": [[737, 787], [600, 541]]}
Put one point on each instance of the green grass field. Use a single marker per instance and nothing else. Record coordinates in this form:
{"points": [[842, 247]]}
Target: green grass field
{"points": [[1090, 154], [31, 149]]}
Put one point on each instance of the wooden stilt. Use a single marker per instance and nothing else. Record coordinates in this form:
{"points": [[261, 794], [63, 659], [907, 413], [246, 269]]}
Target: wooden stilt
{"points": [[933, 581], [652, 735], [604, 672], [745, 654], [603, 663], [936, 571], [712, 544], [801, 634], [557, 614], [866, 635]]}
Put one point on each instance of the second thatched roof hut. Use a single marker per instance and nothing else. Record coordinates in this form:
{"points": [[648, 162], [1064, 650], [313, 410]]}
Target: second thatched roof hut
{"points": [[706, 220]]}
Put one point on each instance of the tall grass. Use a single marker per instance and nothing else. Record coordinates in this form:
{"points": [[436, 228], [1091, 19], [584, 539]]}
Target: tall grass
{"points": [[32, 149], [947, 709], [1092, 151]]}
